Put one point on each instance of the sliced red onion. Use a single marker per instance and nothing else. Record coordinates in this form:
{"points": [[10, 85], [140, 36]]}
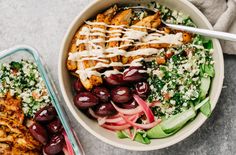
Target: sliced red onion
{"points": [[132, 118], [65, 151], [103, 120], [116, 128], [141, 126], [134, 133], [68, 148], [128, 111], [122, 124], [145, 108], [128, 132]]}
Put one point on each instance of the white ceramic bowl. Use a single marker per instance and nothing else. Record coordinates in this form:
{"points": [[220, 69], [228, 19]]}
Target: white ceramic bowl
{"points": [[108, 136]]}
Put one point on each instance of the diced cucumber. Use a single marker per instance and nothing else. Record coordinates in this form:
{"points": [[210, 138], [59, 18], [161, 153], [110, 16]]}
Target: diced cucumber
{"points": [[204, 87], [171, 125], [177, 121]]}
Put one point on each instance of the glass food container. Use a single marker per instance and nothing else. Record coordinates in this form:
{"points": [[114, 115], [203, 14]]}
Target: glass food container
{"points": [[25, 52]]}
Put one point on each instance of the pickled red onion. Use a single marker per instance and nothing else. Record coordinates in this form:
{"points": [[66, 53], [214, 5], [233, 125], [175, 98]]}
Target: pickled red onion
{"points": [[130, 134], [115, 128], [134, 133], [127, 111], [102, 120], [141, 126], [121, 125], [68, 147], [122, 122], [145, 108]]}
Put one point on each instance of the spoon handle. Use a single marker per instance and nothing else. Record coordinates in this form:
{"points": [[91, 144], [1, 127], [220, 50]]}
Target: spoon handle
{"points": [[204, 32]]}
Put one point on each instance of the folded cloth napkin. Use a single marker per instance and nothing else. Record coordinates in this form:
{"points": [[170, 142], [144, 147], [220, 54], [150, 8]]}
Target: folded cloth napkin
{"points": [[222, 15]]}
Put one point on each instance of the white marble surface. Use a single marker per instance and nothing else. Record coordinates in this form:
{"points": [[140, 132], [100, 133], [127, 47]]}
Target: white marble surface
{"points": [[43, 23]]}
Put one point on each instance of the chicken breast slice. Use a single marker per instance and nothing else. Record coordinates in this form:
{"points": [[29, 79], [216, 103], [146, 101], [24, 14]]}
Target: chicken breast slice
{"points": [[149, 22], [106, 18], [85, 44], [122, 18]]}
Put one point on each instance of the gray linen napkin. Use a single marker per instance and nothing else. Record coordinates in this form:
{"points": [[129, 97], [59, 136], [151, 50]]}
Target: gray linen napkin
{"points": [[222, 15]]}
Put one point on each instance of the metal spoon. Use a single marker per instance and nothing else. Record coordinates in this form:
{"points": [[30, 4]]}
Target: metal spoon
{"points": [[204, 32]]}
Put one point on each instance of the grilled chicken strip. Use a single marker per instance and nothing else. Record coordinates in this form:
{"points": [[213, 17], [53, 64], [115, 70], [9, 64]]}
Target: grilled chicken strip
{"points": [[152, 21], [122, 18], [106, 18], [93, 80]]}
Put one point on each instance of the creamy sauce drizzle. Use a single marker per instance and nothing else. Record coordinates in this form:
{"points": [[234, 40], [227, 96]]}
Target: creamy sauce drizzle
{"points": [[101, 55]]}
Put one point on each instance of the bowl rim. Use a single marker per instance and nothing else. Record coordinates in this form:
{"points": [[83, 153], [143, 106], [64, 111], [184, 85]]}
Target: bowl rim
{"points": [[116, 144]]}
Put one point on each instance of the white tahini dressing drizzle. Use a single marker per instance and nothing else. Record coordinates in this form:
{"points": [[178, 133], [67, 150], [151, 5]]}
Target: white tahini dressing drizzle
{"points": [[101, 55]]}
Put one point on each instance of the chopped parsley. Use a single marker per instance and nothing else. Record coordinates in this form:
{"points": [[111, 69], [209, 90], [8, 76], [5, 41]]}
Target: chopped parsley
{"points": [[176, 83]]}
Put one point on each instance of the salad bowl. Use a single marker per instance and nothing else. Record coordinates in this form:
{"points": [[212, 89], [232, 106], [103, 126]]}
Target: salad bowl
{"points": [[107, 136]]}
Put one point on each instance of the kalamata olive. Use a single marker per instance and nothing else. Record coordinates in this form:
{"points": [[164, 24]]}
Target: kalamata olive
{"points": [[135, 74], [55, 145], [130, 105], [45, 114], [121, 94], [102, 93], [142, 89], [39, 133], [85, 100], [105, 109], [78, 86], [114, 80], [55, 126]]}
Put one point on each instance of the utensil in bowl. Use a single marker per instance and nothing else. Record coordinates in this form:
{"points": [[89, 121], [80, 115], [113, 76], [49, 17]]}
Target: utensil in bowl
{"points": [[204, 32]]}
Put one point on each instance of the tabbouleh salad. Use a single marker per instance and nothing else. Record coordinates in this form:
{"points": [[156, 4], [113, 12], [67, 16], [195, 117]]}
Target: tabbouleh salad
{"points": [[22, 79]]}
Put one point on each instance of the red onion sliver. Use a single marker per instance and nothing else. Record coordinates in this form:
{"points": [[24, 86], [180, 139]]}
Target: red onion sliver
{"points": [[128, 132], [132, 118], [116, 128], [102, 120], [68, 144], [145, 108], [127, 111], [134, 134], [141, 126]]}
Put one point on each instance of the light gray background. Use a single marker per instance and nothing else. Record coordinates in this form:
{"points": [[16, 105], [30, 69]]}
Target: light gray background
{"points": [[43, 23]]}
